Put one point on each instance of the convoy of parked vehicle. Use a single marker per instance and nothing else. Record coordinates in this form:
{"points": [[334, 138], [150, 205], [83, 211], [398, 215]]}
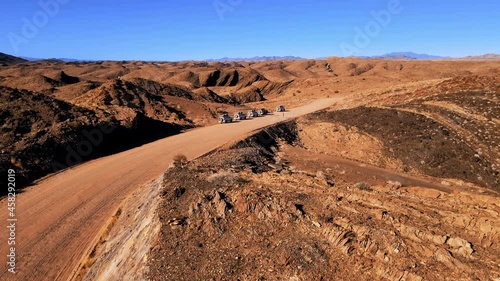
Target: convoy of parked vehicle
{"points": [[238, 116], [225, 118], [252, 113]]}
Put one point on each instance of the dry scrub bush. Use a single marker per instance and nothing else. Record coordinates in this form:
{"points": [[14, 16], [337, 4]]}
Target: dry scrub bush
{"points": [[363, 186], [225, 178], [180, 160]]}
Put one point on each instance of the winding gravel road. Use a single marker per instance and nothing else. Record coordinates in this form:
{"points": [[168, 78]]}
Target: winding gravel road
{"points": [[60, 216]]}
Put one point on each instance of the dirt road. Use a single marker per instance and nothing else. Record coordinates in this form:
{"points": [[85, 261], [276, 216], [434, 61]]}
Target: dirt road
{"points": [[60, 216]]}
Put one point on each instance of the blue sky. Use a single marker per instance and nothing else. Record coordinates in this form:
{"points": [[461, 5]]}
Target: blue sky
{"points": [[203, 29]]}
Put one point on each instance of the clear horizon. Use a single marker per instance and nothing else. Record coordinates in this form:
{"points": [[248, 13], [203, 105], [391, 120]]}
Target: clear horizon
{"points": [[214, 29]]}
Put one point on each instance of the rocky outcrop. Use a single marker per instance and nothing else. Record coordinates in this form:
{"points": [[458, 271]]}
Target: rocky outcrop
{"points": [[246, 212]]}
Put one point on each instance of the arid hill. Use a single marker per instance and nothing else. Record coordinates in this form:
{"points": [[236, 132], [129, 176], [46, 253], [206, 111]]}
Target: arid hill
{"points": [[394, 185], [42, 135], [285, 205], [389, 190], [398, 180], [161, 98], [35, 130], [8, 59]]}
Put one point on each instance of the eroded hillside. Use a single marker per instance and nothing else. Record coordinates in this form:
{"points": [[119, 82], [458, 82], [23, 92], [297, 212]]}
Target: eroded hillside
{"points": [[273, 208], [399, 185], [150, 100], [42, 135]]}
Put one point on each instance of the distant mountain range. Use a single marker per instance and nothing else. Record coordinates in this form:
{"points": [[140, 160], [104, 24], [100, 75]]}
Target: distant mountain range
{"points": [[8, 59], [483, 57], [55, 59], [406, 55], [264, 58], [226, 59]]}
